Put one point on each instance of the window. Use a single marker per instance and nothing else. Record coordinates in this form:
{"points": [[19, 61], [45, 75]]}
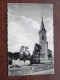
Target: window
{"points": [[42, 37]]}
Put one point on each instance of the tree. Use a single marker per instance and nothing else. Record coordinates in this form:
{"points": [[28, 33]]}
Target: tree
{"points": [[10, 57], [49, 55], [24, 53], [35, 58], [16, 55], [24, 56]]}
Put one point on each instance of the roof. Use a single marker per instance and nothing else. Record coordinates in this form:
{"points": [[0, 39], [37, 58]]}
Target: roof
{"points": [[42, 26]]}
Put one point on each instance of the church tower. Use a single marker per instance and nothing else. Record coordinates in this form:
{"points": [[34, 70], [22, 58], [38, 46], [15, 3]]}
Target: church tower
{"points": [[43, 42]]}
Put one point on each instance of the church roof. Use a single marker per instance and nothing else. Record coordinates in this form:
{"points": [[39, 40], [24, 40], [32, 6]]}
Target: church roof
{"points": [[42, 26]]}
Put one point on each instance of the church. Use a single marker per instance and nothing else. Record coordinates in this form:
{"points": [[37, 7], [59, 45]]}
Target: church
{"points": [[41, 53], [45, 52]]}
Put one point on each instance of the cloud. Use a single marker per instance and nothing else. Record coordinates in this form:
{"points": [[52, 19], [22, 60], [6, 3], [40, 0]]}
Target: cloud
{"points": [[34, 23], [18, 37], [23, 27]]}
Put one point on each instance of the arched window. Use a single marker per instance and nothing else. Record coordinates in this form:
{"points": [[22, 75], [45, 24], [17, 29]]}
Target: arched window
{"points": [[42, 37]]}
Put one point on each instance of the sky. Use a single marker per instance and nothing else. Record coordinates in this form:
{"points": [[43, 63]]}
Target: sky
{"points": [[24, 21]]}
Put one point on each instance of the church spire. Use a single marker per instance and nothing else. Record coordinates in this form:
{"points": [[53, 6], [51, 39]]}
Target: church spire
{"points": [[42, 25]]}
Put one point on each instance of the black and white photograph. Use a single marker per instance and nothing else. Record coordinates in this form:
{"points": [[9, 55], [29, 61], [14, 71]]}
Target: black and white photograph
{"points": [[30, 34]]}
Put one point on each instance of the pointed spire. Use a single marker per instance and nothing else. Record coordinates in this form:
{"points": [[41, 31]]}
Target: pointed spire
{"points": [[42, 25]]}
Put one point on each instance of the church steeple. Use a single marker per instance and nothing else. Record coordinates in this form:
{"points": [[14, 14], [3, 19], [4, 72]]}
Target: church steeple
{"points": [[42, 25], [43, 41]]}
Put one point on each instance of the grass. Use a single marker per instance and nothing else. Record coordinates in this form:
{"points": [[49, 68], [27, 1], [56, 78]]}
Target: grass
{"points": [[26, 69]]}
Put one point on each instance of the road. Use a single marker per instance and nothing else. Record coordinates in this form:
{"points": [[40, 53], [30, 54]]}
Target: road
{"points": [[51, 71]]}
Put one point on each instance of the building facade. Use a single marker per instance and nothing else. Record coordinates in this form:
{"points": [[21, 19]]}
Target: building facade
{"points": [[43, 42]]}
